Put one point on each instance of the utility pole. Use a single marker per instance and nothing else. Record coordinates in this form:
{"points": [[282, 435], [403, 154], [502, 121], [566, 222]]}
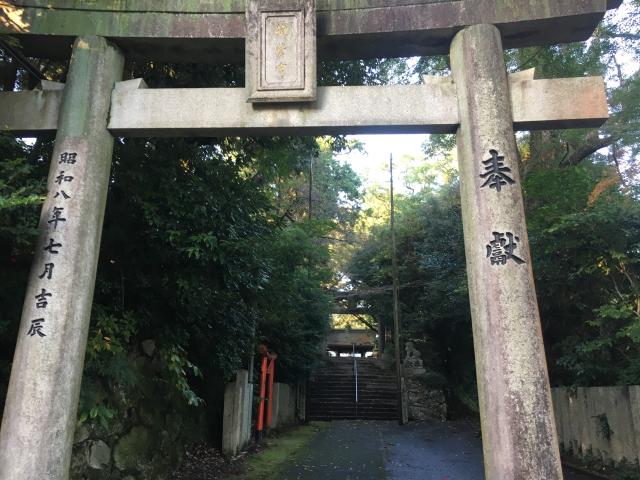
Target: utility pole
{"points": [[396, 309], [310, 185]]}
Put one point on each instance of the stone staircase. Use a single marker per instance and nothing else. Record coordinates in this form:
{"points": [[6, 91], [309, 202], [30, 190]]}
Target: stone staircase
{"points": [[332, 391]]}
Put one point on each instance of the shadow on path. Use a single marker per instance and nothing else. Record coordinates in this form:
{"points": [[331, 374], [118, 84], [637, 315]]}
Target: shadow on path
{"points": [[377, 450]]}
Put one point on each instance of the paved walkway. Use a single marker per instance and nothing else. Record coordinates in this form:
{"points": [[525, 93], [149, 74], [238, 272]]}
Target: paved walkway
{"points": [[367, 450]]}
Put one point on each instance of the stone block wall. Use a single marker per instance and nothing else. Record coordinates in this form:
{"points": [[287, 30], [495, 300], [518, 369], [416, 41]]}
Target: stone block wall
{"points": [[424, 402], [146, 436], [600, 422]]}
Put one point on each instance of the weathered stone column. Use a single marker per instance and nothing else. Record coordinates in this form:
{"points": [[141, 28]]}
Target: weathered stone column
{"points": [[40, 413], [518, 429]]}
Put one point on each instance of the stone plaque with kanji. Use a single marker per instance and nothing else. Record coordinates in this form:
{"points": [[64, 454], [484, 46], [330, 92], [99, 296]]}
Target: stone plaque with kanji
{"points": [[281, 50]]}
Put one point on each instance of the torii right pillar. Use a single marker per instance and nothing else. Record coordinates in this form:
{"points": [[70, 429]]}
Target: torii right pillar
{"points": [[518, 428]]}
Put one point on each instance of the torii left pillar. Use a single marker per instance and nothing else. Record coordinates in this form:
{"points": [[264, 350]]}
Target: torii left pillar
{"points": [[39, 417]]}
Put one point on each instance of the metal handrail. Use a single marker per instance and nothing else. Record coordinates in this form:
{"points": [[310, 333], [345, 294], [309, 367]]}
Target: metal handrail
{"points": [[355, 373]]}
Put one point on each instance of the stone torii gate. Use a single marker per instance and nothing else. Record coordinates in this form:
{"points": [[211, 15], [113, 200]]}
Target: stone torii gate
{"points": [[283, 38]]}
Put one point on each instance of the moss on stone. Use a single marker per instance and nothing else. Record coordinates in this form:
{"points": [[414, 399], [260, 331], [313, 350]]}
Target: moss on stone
{"points": [[279, 450], [134, 449]]}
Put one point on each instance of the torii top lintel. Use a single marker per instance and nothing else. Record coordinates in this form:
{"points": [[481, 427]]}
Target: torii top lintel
{"points": [[214, 30]]}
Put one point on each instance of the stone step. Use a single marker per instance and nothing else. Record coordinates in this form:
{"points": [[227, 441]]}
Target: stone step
{"points": [[349, 401], [332, 391], [366, 405], [372, 371], [349, 380], [353, 382], [367, 391], [351, 389], [349, 371], [350, 407], [354, 415], [371, 378], [377, 373], [353, 412], [351, 393], [338, 407], [316, 387], [351, 398], [361, 416]]}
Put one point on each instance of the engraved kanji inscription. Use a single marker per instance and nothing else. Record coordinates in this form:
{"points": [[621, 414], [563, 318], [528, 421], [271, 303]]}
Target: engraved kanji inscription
{"points": [[63, 178], [501, 249], [282, 51], [68, 158], [51, 248], [56, 217], [62, 194], [496, 174], [47, 272], [36, 328], [281, 29], [41, 299]]}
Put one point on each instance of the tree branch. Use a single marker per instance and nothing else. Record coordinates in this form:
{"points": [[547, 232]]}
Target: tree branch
{"points": [[366, 322], [588, 148]]}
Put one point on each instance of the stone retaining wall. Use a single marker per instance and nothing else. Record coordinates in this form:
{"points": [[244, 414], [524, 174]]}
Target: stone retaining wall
{"points": [[424, 402], [146, 436]]}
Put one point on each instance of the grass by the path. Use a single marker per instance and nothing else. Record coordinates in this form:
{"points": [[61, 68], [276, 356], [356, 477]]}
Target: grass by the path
{"points": [[279, 451]]}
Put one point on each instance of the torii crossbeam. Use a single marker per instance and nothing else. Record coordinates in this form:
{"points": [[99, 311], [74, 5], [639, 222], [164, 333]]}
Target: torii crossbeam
{"points": [[283, 39], [430, 108]]}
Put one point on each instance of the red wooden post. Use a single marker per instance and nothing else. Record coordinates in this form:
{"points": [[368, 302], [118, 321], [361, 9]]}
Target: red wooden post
{"points": [[263, 386], [272, 367]]}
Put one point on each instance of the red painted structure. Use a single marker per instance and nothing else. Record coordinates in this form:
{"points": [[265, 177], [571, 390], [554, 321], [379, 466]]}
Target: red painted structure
{"points": [[267, 374]]}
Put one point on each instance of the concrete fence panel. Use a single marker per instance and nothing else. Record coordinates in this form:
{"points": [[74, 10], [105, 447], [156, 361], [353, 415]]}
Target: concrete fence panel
{"points": [[275, 404], [285, 400], [238, 411], [601, 421], [236, 422]]}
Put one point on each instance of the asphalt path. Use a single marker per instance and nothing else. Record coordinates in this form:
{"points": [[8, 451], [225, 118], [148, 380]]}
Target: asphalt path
{"points": [[374, 450]]}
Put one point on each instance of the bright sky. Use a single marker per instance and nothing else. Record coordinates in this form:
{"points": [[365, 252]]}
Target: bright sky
{"points": [[373, 164]]}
